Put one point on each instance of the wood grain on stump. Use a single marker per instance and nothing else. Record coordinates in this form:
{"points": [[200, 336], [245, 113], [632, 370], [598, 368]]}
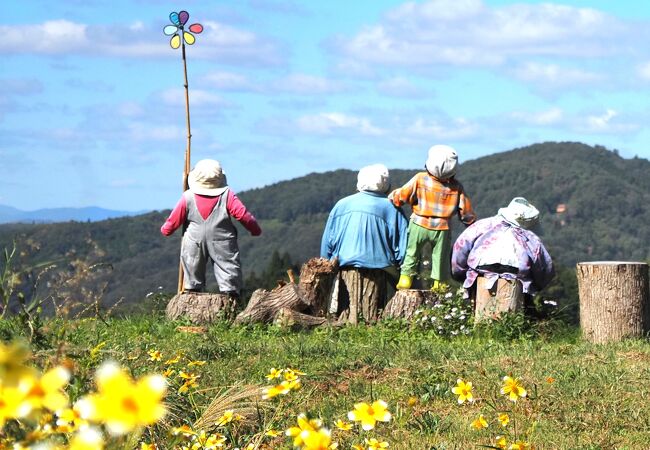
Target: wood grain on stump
{"points": [[506, 296], [264, 305], [613, 300], [361, 294], [201, 307], [405, 302]]}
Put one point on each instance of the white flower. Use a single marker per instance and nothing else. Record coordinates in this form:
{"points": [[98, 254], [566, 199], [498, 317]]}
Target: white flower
{"points": [[447, 317], [550, 302], [448, 295], [462, 317]]}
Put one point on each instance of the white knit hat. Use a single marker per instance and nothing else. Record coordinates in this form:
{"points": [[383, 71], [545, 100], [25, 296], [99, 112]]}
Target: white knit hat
{"points": [[374, 178], [520, 213], [442, 162], [207, 178]]}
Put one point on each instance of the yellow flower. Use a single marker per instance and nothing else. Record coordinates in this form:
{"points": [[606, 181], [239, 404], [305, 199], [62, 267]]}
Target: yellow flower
{"points": [[501, 442], [196, 363], [504, 419], [463, 390], [480, 422], [87, 439], [357, 447], [369, 415], [274, 373], [513, 388], [272, 433], [168, 373], [317, 440], [13, 404], [12, 363], [520, 445], [374, 444], [155, 355], [47, 391], [282, 388], [209, 442], [185, 430], [344, 426], [226, 418], [173, 360], [69, 420], [412, 401], [550, 380], [304, 424], [147, 446], [123, 404]]}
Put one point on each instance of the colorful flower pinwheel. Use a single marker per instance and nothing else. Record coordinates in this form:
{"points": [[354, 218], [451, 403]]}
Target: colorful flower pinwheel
{"points": [[179, 19]]}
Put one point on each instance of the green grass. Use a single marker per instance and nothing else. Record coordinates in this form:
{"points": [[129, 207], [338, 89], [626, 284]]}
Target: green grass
{"points": [[598, 399]]}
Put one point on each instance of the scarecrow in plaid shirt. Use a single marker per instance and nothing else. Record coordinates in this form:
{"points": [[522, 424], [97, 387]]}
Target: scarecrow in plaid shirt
{"points": [[435, 196]]}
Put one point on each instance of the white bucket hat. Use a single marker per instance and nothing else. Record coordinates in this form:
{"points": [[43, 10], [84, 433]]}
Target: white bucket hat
{"points": [[520, 213], [374, 178], [207, 178], [442, 162]]}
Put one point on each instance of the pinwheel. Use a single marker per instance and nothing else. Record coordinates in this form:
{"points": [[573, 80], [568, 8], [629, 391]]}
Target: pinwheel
{"points": [[180, 37], [179, 19]]}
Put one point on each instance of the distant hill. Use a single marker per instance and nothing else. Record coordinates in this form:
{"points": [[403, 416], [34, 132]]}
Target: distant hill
{"points": [[595, 205], [9, 214]]}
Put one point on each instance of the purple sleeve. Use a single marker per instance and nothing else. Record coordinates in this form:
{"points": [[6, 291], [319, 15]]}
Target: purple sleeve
{"points": [[542, 268], [460, 252], [176, 218], [237, 210]]}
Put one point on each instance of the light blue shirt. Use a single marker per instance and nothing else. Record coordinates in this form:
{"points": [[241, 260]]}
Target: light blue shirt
{"points": [[365, 230]]}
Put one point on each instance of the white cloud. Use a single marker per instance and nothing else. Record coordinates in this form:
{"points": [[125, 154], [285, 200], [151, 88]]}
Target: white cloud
{"points": [[552, 116], [400, 87], [330, 123], [470, 33], [553, 75], [303, 84], [644, 71], [457, 129], [227, 44]]}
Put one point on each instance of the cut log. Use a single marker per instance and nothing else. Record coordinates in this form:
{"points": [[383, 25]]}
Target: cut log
{"points": [[317, 276], [201, 307], [405, 302], [613, 300], [293, 319], [264, 305], [506, 296], [361, 294]]}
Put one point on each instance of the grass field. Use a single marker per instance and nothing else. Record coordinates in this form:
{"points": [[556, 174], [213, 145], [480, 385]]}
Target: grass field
{"points": [[579, 396]]}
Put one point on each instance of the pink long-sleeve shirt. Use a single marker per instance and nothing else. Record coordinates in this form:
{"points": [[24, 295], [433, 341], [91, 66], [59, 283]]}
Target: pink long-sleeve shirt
{"points": [[205, 205]]}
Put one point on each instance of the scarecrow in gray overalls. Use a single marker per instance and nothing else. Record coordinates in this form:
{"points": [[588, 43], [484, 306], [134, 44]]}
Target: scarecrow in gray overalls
{"points": [[206, 209]]}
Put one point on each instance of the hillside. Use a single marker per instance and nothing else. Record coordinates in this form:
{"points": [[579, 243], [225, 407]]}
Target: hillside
{"points": [[606, 200]]}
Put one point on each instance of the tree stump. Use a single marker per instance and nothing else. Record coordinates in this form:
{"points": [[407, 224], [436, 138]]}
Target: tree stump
{"points": [[361, 294], [264, 305], [405, 302], [316, 278], [613, 300], [293, 319], [504, 297], [201, 307]]}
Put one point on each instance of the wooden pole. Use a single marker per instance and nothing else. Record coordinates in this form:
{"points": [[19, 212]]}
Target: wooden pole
{"points": [[186, 167], [614, 302]]}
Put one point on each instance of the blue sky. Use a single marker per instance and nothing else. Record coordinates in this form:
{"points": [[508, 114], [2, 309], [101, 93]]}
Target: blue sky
{"points": [[92, 108]]}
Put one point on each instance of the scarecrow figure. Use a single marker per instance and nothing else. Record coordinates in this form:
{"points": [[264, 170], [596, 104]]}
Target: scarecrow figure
{"points": [[435, 196], [206, 209]]}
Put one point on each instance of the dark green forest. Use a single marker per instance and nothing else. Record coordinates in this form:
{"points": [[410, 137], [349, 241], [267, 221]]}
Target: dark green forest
{"points": [[603, 202]]}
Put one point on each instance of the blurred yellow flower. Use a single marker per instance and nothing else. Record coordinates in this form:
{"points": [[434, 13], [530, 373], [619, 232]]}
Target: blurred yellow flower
{"points": [[412, 401], [304, 424], [12, 363], [87, 439], [520, 445], [274, 373], [226, 418], [209, 442], [123, 404], [168, 373], [341, 425], [504, 419], [463, 390], [13, 404], [501, 442], [173, 360], [148, 446], [374, 444], [47, 391], [479, 423], [357, 447], [513, 388], [369, 415], [196, 363], [272, 433], [69, 420], [185, 430], [320, 439], [281, 389], [155, 355], [550, 380]]}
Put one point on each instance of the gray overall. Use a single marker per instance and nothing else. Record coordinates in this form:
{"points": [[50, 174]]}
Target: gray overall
{"points": [[215, 239]]}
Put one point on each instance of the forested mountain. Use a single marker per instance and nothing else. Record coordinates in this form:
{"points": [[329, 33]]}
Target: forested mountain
{"points": [[595, 205]]}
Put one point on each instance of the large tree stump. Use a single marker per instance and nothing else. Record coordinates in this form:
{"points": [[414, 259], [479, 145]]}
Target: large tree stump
{"points": [[613, 300], [316, 278], [361, 294], [264, 305], [405, 302], [506, 296], [201, 307]]}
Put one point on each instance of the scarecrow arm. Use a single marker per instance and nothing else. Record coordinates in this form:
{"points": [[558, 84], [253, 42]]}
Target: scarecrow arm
{"points": [[176, 219]]}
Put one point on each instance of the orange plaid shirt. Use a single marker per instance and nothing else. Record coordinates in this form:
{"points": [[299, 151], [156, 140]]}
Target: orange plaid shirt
{"points": [[434, 202]]}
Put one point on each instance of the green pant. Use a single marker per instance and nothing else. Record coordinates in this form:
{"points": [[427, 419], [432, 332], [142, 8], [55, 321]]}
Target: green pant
{"points": [[440, 241]]}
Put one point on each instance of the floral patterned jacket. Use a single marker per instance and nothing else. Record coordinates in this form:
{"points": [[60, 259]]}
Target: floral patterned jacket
{"points": [[494, 248]]}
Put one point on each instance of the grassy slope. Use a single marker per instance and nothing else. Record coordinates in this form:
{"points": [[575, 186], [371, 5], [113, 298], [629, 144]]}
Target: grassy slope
{"points": [[597, 401]]}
